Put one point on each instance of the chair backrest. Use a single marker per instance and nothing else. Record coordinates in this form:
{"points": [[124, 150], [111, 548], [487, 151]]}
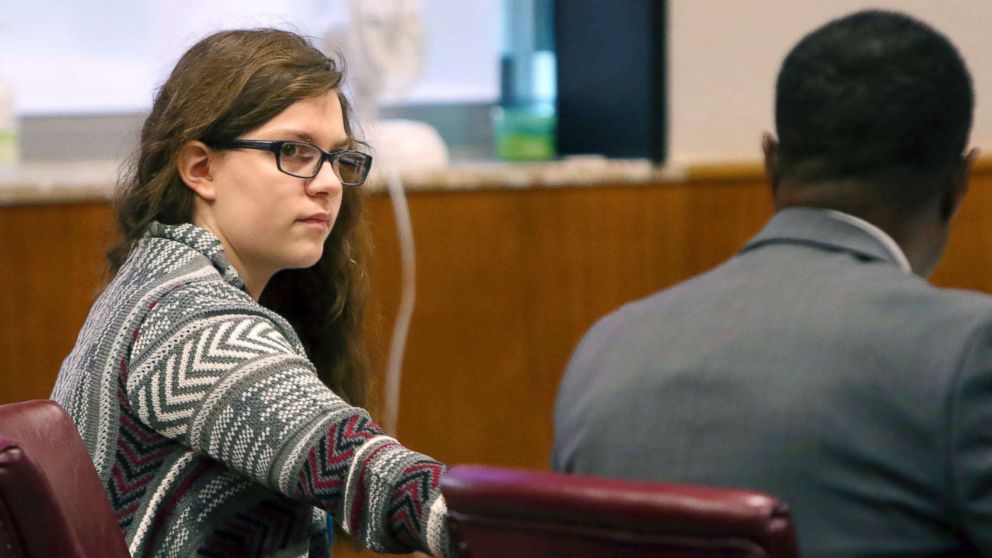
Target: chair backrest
{"points": [[52, 502], [505, 512]]}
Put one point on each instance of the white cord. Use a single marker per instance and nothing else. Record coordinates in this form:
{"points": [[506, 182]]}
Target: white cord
{"points": [[408, 293]]}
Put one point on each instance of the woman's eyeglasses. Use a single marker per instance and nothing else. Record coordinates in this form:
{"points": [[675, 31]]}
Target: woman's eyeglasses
{"points": [[304, 160]]}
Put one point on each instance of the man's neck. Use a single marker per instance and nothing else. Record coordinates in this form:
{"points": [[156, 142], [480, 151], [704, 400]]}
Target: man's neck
{"points": [[919, 239]]}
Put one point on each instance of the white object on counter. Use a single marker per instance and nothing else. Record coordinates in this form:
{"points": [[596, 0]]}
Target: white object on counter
{"points": [[9, 138]]}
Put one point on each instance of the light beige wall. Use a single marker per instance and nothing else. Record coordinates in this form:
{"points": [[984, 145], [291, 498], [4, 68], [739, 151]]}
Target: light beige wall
{"points": [[724, 56]]}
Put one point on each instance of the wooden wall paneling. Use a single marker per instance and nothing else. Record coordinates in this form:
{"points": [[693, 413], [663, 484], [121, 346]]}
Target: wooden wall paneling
{"points": [[967, 262], [508, 280], [51, 270], [468, 335]]}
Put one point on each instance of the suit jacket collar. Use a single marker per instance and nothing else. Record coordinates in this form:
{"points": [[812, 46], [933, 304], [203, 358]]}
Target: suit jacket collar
{"points": [[817, 227]]}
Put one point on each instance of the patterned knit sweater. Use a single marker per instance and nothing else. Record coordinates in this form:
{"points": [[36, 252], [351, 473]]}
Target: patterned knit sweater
{"points": [[211, 430]]}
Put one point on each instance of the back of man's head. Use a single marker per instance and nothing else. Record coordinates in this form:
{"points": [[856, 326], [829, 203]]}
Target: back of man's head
{"points": [[873, 94]]}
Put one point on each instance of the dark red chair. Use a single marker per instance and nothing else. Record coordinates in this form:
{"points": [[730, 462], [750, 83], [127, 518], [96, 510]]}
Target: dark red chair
{"points": [[52, 502], [526, 514]]}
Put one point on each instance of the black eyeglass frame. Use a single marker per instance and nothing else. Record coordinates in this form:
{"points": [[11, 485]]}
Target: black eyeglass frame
{"points": [[275, 147]]}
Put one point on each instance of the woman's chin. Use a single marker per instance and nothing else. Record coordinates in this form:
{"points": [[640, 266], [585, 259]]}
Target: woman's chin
{"points": [[310, 262], [305, 260]]}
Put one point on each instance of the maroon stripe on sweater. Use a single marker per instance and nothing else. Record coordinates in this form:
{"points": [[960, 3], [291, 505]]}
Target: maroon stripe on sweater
{"points": [[357, 505], [200, 469]]}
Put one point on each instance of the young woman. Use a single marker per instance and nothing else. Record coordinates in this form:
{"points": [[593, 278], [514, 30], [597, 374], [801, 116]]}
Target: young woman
{"points": [[216, 379]]}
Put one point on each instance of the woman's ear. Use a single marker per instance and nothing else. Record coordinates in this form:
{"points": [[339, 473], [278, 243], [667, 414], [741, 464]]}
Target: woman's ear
{"points": [[195, 160]]}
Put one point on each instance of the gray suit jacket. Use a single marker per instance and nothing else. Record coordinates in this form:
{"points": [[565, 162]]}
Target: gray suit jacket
{"points": [[809, 366]]}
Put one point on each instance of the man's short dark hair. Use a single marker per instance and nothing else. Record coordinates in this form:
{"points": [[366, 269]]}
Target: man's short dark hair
{"points": [[873, 91]]}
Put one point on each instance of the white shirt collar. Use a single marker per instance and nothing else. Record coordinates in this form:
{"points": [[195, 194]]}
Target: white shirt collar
{"points": [[878, 234]]}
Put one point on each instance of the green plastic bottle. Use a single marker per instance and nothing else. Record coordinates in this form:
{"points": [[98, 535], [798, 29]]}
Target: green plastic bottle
{"points": [[524, 121]]}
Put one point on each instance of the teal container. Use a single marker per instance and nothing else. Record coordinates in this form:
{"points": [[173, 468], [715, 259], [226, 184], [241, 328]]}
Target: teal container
{"points": [[524, 121], [525, 132]]}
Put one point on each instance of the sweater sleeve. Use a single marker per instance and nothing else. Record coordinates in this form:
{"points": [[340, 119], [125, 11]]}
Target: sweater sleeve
{"points": [[229, 384]]}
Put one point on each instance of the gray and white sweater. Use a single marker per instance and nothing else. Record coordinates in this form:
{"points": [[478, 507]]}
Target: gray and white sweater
{"points": [[211, 430]]}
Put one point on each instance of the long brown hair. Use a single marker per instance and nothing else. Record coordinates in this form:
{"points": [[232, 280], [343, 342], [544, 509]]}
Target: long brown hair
{"points": [[227, 84]]}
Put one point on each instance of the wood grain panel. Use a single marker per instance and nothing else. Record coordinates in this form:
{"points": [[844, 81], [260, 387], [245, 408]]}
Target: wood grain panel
{"points": [[51, 269]]}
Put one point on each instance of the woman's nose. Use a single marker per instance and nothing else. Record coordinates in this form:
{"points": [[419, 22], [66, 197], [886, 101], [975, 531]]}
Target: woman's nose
{"points": [[326, 181]]}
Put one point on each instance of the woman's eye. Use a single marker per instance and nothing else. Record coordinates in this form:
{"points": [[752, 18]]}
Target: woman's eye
{"points": [[290, 150]]}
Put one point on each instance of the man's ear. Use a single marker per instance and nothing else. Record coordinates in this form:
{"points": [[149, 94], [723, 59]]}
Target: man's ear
{"points": [[959, 184], [769, 146], [195, 160]]}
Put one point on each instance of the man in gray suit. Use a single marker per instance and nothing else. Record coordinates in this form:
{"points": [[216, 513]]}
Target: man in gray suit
{"points": [[818, 364]]}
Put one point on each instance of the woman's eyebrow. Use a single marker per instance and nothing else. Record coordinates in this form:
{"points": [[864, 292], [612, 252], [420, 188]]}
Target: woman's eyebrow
{"points": [[295, 134], [343, 143]]}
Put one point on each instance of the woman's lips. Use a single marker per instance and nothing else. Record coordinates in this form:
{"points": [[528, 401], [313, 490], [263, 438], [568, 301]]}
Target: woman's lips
{"points": [[322, 221]]}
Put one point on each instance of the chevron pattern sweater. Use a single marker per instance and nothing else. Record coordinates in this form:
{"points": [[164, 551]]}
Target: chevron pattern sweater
{"points": [[211, 430]]}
